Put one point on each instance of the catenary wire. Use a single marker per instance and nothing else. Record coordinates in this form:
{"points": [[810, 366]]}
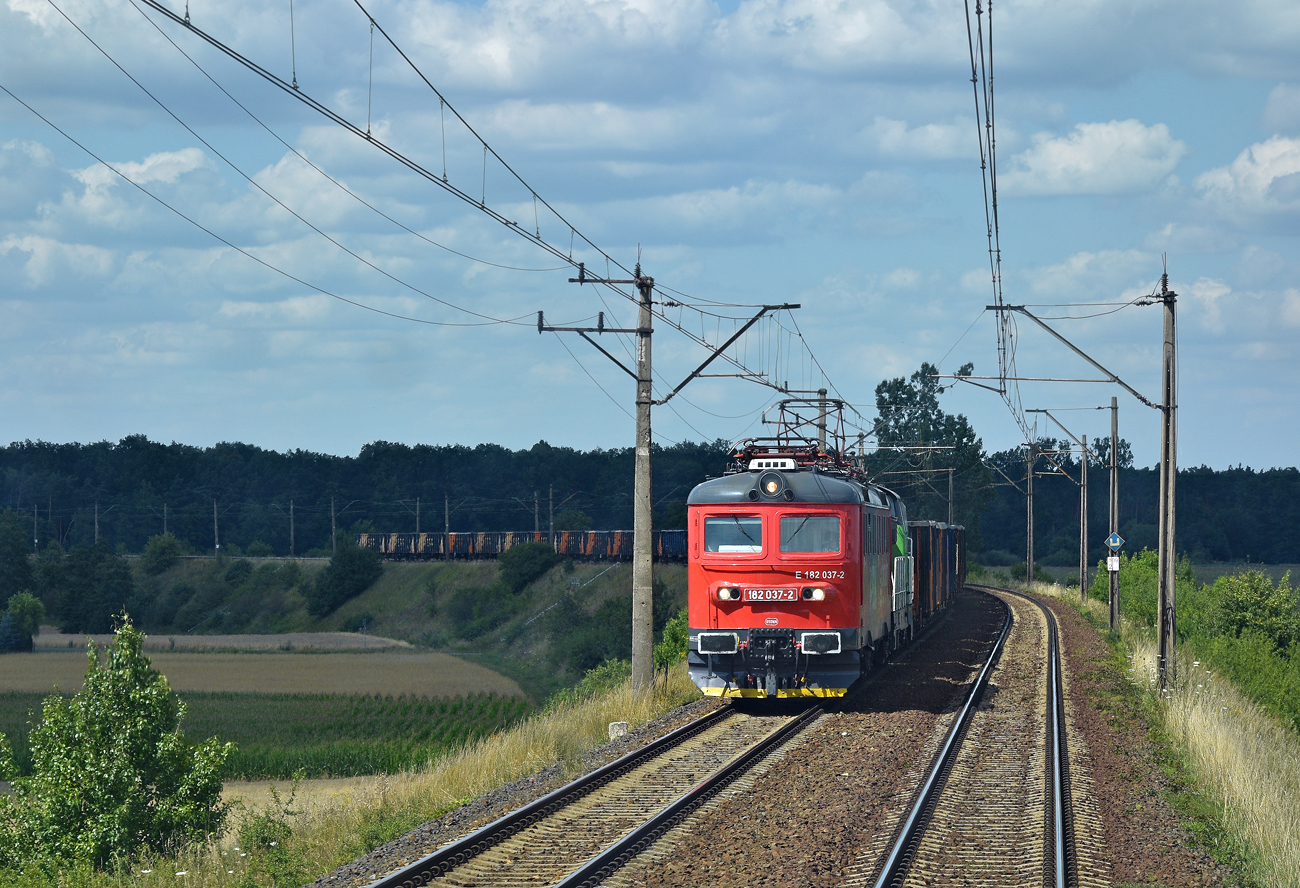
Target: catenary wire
{"points": [[238, 249], [258, 186]]}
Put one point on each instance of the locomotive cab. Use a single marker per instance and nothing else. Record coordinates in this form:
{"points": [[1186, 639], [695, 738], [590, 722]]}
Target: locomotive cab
{"points": [[789, 574]]}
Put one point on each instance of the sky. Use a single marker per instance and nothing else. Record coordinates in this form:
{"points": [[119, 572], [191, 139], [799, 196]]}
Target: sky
{"points": [[268, 276]]}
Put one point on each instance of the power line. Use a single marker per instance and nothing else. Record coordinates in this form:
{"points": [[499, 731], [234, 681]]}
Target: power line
{"points": [[258, 186], [231, 245]]}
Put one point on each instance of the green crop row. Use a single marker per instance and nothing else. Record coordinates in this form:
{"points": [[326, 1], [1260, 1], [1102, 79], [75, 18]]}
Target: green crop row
{"points": [[323, 735]]}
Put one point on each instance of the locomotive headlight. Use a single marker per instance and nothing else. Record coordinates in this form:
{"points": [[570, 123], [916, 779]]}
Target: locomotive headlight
{"points": [[772, 486], [728, 594], [813, 593]]}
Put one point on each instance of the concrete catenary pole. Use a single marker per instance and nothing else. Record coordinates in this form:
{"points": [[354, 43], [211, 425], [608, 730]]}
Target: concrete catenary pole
{"points": [[1167, 611], [537, 521], [642, 517], [417, 516], [1114, 508], [216, 535], [334, 532], [821, 420], [1030, 455], [1083, 520], [291, 541], [96, 522], [951, 472], [550, 514], [164, 519]]}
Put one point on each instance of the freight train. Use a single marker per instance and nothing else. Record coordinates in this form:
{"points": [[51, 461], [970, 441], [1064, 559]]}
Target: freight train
{"points": [[583, 545], [802, 575]]}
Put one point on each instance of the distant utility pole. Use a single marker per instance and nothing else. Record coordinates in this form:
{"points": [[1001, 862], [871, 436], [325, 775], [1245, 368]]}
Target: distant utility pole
{"points": [[1168, 479], [550, 508], [1085, 455], [1166, 615], [1114, 508], [291, 540], [96, 522], [417, 516], [1083, 521], [1031, 455], [642, 502], [821, 420], [334, 532], [36, 541], [216, 534], [951, 472], [446, 513], [537, 521]]}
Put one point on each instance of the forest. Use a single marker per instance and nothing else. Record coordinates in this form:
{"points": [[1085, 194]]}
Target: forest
{"points": [[253, 501]]}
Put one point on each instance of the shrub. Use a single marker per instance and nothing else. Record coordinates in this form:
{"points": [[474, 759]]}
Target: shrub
{"points": [[160, 553], [112, 772], [24, 614], [15, 544], [259, 549], [1249, 602], [672, 649], [96, 584], [350, 572], [522, 564]]}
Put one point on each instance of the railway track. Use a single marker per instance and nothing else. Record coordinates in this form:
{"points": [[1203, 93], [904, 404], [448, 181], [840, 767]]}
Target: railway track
{"points": [[974, 807], [583, 832]]}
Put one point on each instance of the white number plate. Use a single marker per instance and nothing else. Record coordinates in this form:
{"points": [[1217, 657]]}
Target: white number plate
{"points": [[771, 594]]}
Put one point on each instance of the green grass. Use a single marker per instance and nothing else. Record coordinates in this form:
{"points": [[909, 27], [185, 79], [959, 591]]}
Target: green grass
{"points": [[320, 734]]}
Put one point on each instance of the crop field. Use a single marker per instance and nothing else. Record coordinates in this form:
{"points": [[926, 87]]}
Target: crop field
{"points": [[324, 735], [410, 673], [314, 642]]}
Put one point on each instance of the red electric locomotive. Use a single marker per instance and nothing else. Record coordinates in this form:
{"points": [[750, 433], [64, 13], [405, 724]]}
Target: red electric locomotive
{"points": [[801, 575]]}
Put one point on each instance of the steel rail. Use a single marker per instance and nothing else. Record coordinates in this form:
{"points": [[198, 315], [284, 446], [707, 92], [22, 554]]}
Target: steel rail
{"points": [[1064, 866], [613, 858], [907, 842], [429, 867]]}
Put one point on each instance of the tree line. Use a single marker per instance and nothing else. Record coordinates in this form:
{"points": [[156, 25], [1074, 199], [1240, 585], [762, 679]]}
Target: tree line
{"points": [[126, 492]]}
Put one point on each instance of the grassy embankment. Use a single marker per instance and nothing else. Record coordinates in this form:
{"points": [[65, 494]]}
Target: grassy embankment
{"points": [[545, 636], [1242, 753], [334, 829]]}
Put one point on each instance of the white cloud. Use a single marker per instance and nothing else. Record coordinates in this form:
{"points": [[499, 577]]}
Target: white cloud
{"points": [[1291, 307], [1282, 110], [47, 258], [1264, 179], [1118, 157], [295, 308], [1208, 292], [930, 140], [1102, 275]]}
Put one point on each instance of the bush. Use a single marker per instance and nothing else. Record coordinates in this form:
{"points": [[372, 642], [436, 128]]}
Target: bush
{"points": [[350, 572], [1249, 602], [112, 772], [259, 549], [522, 564], [24, 617], [15, 567], [96, 585], [160, 553], [672, 649]]}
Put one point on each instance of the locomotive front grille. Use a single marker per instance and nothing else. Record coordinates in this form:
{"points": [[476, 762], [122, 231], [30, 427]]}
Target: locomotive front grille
{"points": [[771, 646]]}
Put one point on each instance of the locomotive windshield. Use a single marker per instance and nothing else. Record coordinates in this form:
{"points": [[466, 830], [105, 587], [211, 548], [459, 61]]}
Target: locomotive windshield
{"points": [[810, 533], [733, 533]]}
